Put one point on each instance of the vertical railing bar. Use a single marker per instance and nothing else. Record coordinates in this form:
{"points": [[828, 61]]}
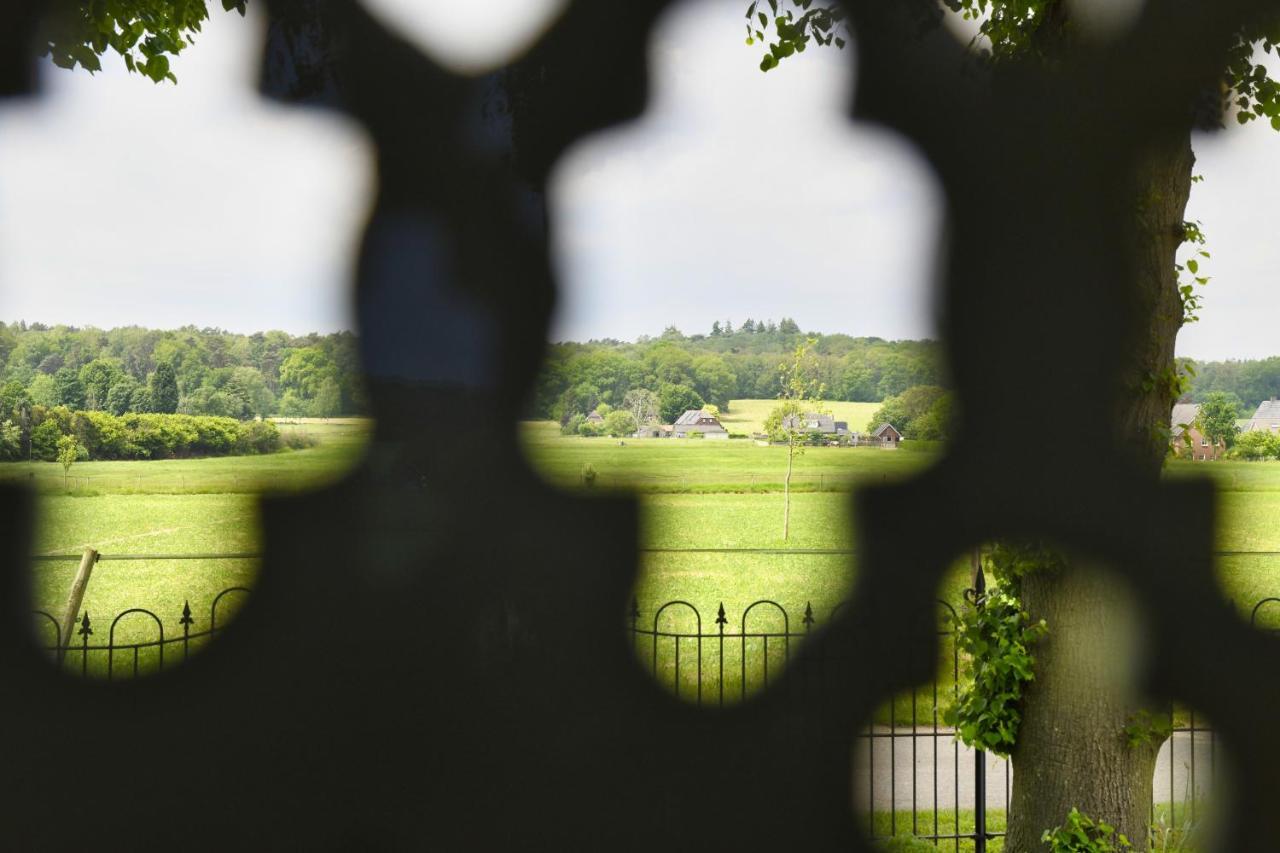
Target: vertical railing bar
{"points": [[1192, 713]]}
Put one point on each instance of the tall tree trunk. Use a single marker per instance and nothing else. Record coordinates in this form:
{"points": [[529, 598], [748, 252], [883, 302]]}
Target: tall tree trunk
{"points": [[1071, 749]]}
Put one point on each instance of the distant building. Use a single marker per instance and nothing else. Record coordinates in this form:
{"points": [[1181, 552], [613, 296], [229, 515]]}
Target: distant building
{"points": [[1267, 417], [595, 417], [1188, 441], [698, 420], [816, 422], [652, 430], [886, 435]]}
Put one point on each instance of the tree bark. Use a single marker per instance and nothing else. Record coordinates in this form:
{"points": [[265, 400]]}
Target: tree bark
{"points": [[1071, 749]]}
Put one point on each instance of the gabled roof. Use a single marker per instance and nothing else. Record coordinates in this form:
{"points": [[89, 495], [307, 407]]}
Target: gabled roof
{"points": [[691, 416], [1184, 414], [879, 431], [1268, 412]]}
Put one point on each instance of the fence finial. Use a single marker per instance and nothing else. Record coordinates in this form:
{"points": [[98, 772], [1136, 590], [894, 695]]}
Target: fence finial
{"points": [[85, 630], [720, 617], [808, 615], [186, 614]]}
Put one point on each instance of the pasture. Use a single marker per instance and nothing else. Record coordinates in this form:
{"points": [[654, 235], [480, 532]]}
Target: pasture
{"points": [[698, 494], [176, 506]]}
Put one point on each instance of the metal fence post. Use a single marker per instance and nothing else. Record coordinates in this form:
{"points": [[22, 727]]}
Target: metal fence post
{"points": [[979, 756]]}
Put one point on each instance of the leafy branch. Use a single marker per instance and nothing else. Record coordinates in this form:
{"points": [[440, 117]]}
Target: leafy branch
{"points": [[145, 33]]}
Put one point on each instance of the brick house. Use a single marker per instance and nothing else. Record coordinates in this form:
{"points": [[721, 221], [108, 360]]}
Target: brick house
{"points": [[1188, 441]]}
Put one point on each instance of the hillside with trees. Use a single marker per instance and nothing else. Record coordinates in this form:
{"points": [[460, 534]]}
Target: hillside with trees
{"points": [[133, 370], [1251, 381], [724, 364]]}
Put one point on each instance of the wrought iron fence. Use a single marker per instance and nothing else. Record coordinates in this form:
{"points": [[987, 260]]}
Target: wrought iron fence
{"points": [[912, 774], [114, 659]]}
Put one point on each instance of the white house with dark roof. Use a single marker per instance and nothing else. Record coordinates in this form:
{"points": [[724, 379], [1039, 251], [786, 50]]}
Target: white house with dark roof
{"points": [[700, 421], [816, 422]]}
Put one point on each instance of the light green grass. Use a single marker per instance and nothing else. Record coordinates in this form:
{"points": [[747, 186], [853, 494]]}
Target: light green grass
{"points": [[165, 507], [748, 416], [693, 465]]}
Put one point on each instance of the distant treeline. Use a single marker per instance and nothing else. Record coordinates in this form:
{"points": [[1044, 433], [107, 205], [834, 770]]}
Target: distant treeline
{"points": [[189, 371], [1251, 381], [725, 364]]}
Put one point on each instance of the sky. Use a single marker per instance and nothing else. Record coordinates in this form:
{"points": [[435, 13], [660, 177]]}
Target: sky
{"points": [[737, 195]]}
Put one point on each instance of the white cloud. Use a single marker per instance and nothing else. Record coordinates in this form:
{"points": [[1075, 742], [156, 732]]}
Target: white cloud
{"points": [[126, 202]]}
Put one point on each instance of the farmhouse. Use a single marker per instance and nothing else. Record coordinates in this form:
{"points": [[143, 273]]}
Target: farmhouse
{"points": [[595, 417], [816, 422], [1188, 441], [653, 430], [1267, 417], [699, 421], [886, 435]]}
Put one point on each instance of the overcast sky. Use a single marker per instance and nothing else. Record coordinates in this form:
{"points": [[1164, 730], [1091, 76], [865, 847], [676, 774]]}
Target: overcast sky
{"points": [[738, 195]]}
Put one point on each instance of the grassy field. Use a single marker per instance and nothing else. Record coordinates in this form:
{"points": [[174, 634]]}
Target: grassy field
{"points": [[736, 465], [179, 506], [720, 495]]}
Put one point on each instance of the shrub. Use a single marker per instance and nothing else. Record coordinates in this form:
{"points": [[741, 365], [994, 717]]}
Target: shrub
{"points": [[589, 475], [44, 441], [590, 430], [1081, 834], [571, 426], [620, 423], [296, 439]]}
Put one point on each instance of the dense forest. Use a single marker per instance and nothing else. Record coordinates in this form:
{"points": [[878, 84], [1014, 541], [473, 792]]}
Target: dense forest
{"points": [[725, 364], [1250, 381], [188, 371]]}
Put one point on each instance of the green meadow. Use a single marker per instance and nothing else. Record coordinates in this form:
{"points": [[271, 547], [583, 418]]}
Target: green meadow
{"points": [[696, 494], [165, 507]]}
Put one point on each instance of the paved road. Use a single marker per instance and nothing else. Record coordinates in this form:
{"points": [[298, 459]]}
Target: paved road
{"points": [[951, 782]]}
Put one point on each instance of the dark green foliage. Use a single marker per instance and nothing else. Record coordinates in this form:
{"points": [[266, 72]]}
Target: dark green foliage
{"points": [[145, 33], [996, 639], [1082, 834], [44, 441], [922, 412], [1250, 381], [213, 372], [149, 436], [164, 389], [675, 400], [67, 388]]}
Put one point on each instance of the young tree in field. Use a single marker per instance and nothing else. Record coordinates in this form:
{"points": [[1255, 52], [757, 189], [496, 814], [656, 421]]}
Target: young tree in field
{"points": [[801, 394], [1217, 418], [1074, 724], [164, 389], [69, 452]]}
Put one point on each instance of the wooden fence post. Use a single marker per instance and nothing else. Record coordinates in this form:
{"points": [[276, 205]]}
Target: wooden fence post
{"points": [[76, 598]]}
